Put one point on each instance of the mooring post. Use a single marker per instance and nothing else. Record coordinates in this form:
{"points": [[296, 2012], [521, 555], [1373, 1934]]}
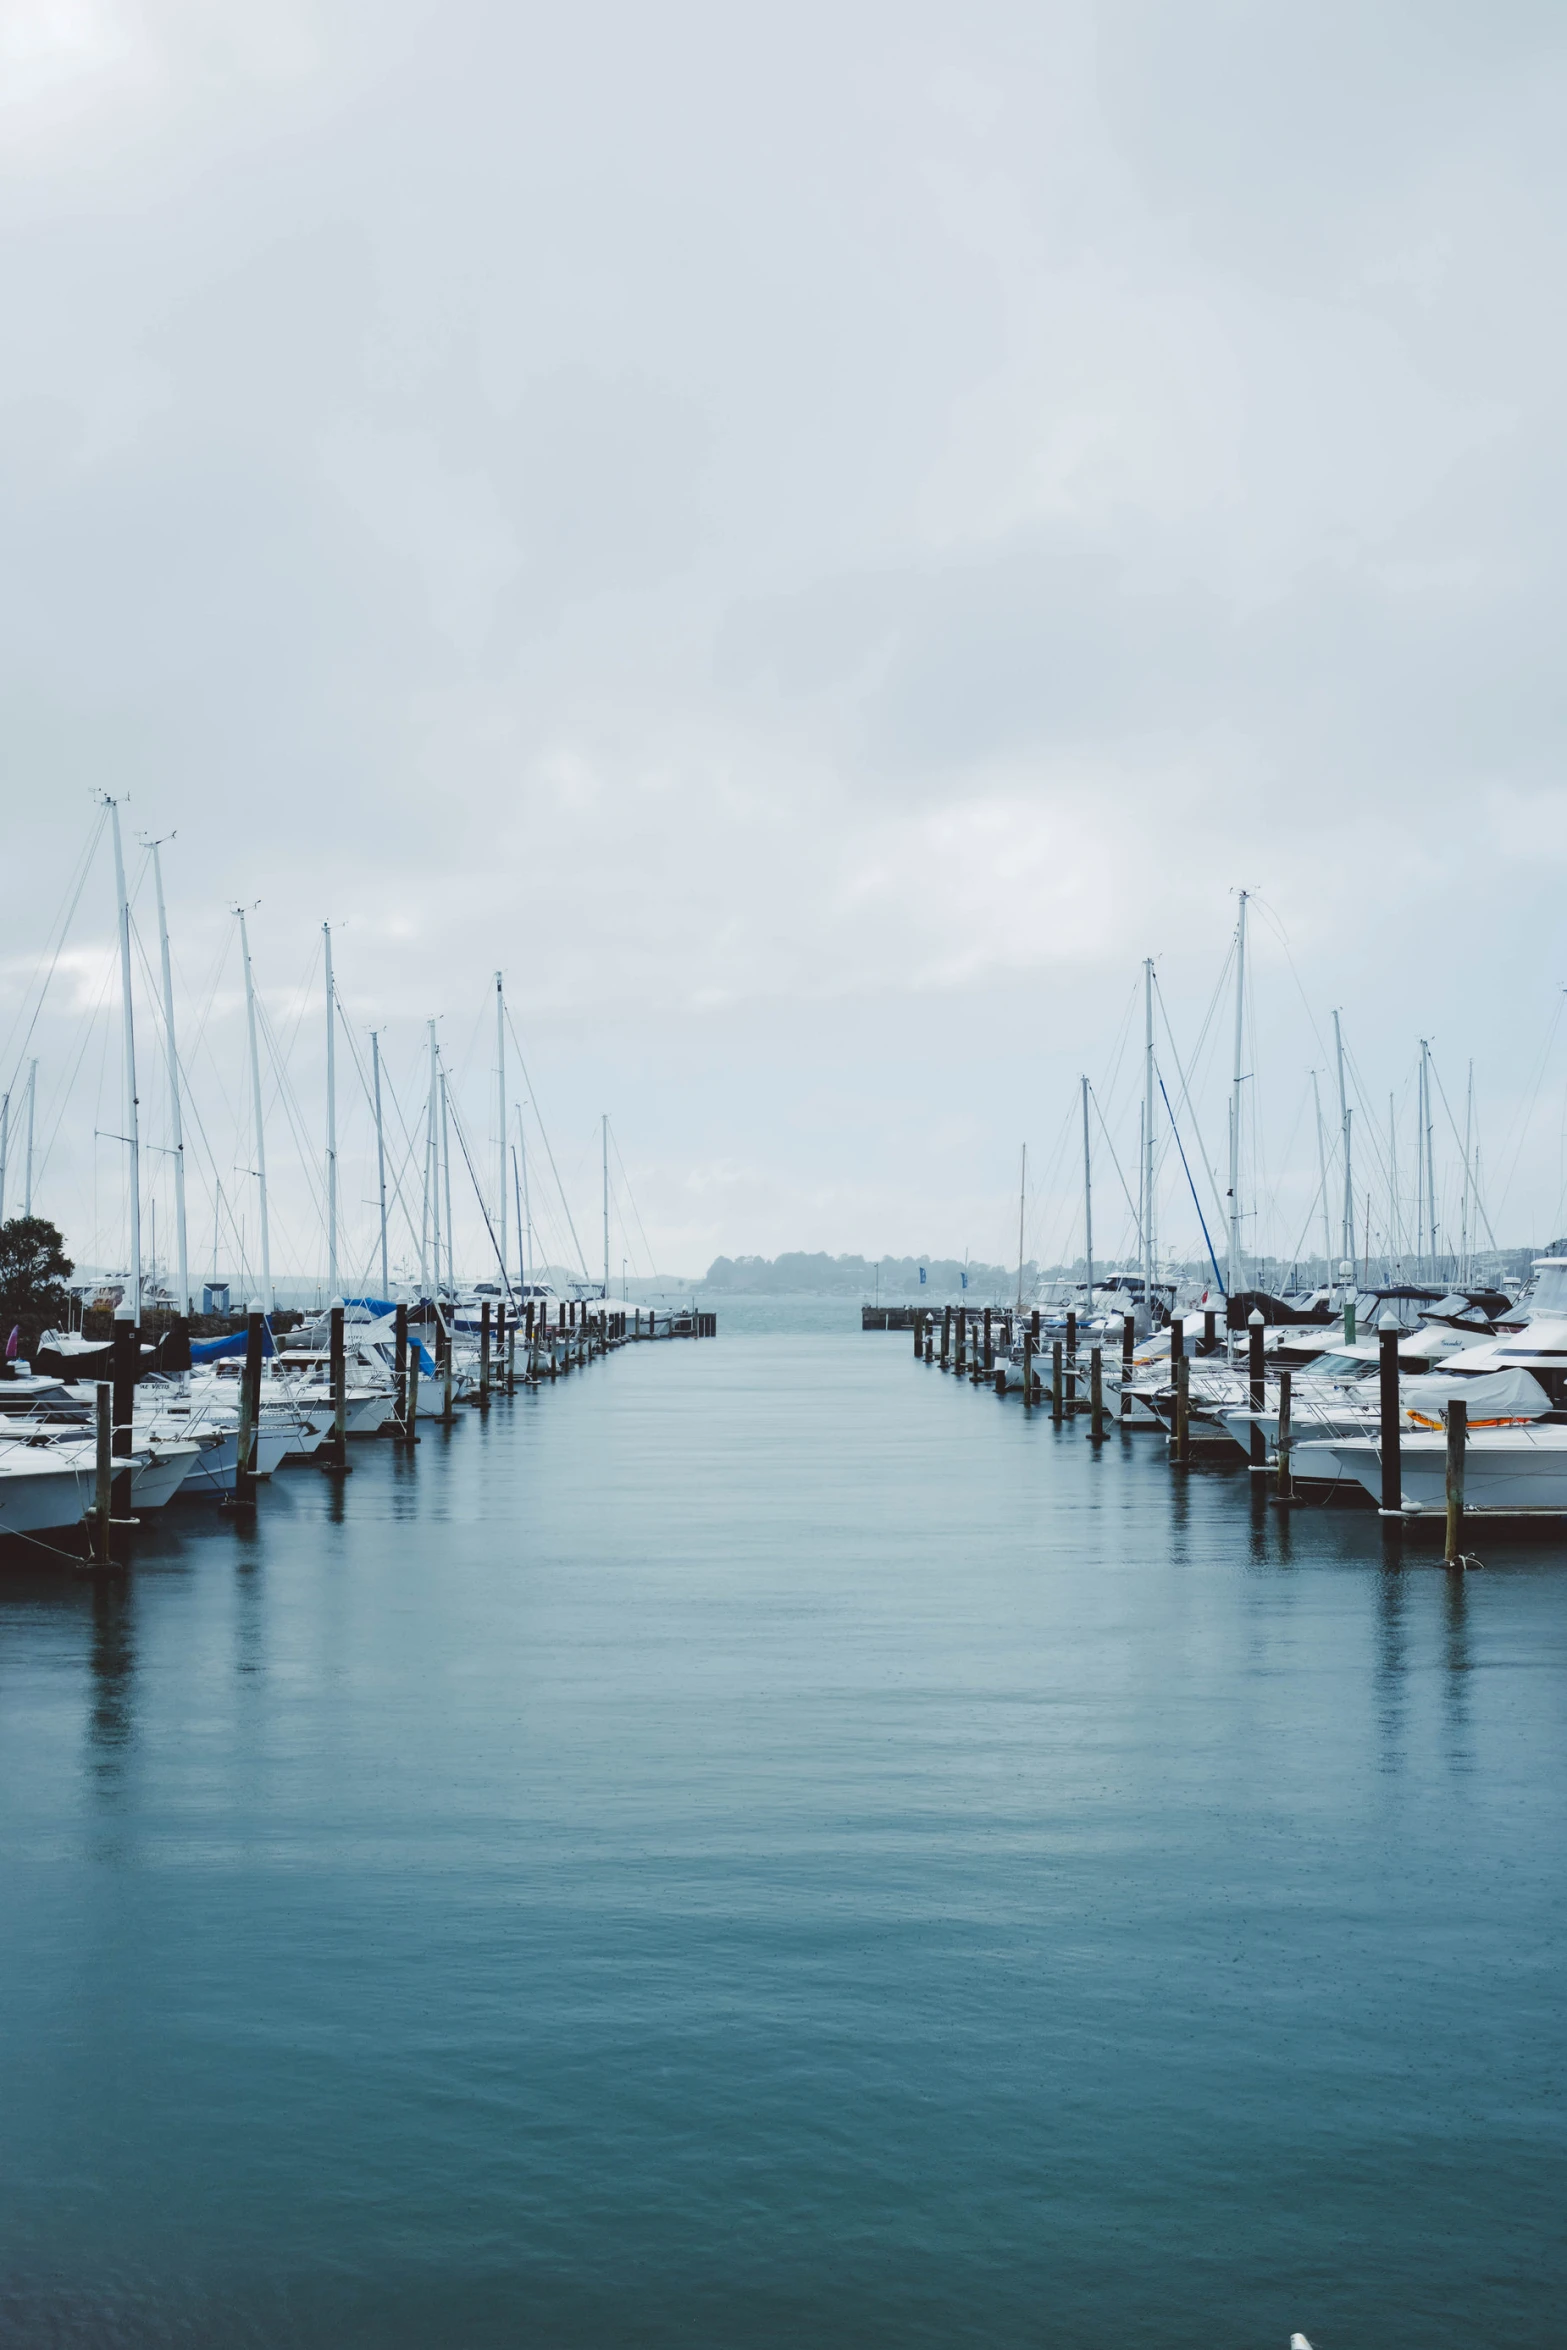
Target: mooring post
{"points": [[930, 1338], [946, 1336], [249, 1411], [990, 1358], [1071, 1335], [1348, 1272], [1255, 1327], [500, 1347], [1055, 1381], [484, 1352], [1028, 1370], [1033, 1325], [1128, 1346], [1210, 1332], [400, 1368], [337, 1365], [511, 1356], [1178, 1382], [103, 1512], [124, 1359], [959, 1363], [1096, 1394], [413, 1388], [1457, 1435], [1071, 1370], [1387, 1397], [1286, 1437], [918, 1334]]}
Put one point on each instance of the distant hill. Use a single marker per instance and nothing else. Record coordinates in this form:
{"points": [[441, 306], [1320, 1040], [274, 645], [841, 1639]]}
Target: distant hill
{"points": [[801, 1273]]}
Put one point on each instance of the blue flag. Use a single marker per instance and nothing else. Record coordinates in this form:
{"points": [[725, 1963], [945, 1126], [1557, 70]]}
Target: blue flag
{"points": [[922, 1276], [963, 1277]]}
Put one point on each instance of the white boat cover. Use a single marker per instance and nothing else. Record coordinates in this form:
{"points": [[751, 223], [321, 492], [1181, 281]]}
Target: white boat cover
{"points": [[1496, 1399]]}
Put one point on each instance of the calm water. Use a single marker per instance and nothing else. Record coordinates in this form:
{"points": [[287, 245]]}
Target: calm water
{"points": [[764, 1846]]}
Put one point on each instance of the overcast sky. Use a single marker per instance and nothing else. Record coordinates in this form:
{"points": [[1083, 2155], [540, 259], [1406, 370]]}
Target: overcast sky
{"points": [[814, 539]]}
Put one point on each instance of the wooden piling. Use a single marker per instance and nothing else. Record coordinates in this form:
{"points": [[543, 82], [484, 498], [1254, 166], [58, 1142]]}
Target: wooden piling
{"points": [[103, 1511], [411, 1436], [400, 1370], [1387, 1398], [1177, 1377], [249, 1411], [1128, 1349], [1255, 1328], [337, 1368], [1210, 1332], [1055, 1381], [1457, 1437], [918, 1339], [946, 1336], [1183, 1422], [124, 1362], [1286, 1488], [484, 1352], [990, 1356], [1096, 1394], [960, 1363], [1028, 1370]]}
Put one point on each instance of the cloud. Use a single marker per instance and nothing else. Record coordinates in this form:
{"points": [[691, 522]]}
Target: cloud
{"points": [[814, 543]]}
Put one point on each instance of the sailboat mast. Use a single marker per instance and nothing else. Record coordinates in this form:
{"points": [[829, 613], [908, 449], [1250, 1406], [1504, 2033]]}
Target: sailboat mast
{"points": [[1088, 1207], [527, 1204], [177, 1125], [132, 1136], [1463, 1242], [500, 1119], [255, 1089], [380, 1149], [1148, 1078], [1322, 1182], [605, 1139], [1420, 1170], [1022, 1197], [1425, 1063], [1347, 1252], [446, 1181], [1235, 1103], [432, 1171], [27, 1168], [5, 1145], [331, 1119], [516, 1184]]}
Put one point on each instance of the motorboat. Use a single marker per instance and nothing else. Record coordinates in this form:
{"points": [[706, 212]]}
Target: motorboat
{"points": [[1515, 1472]]}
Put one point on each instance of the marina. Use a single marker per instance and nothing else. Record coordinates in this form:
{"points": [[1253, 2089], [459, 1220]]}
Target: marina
{"points": [[738, 1847]]}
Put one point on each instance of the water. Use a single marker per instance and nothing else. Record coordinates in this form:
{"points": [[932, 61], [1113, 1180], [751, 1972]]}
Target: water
{"points": [[762, 1845]]}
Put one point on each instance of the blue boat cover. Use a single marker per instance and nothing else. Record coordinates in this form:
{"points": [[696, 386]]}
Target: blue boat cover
{"points": [[207, 1350]]}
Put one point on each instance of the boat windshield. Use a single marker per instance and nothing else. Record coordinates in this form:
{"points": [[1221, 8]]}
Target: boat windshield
{"points": [[1550, 1288], [1342, 1366]]}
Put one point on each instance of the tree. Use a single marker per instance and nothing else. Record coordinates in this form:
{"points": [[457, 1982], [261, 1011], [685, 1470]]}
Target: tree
{"points": [[33, 1270]]}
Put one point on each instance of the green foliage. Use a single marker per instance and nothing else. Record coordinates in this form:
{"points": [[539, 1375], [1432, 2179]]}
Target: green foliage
{"points": [[33, 1270]]}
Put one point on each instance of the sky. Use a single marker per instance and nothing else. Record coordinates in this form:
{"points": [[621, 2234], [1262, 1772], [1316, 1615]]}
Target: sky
{"points": [[814, 541]]}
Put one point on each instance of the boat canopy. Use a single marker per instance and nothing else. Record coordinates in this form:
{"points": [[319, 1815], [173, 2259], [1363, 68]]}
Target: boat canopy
{"points": [[209, 1350], [1492, 1398]]}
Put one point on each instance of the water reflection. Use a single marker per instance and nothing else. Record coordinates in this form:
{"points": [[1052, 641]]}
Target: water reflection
{"points": [[1458, 1665], [1392, 1662], [111, 1715]]}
